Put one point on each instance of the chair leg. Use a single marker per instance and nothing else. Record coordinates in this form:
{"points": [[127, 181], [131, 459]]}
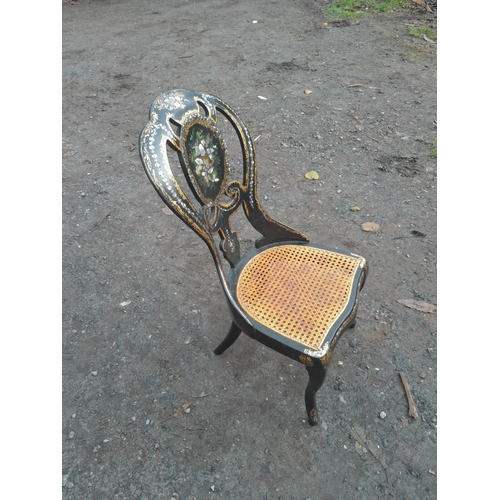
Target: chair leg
{"points": [[353, 324], [233, 334], [317, 374]]}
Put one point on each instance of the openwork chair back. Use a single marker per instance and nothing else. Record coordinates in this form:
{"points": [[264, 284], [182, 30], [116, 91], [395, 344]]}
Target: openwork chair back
{"points": [[188, 123]]}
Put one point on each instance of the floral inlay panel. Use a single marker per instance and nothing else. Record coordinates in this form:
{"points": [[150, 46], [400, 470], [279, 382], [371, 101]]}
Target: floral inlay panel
{"points": [[206, 159]]}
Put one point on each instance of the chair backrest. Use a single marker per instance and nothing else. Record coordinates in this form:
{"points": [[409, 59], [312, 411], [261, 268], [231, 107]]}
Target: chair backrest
{"points": [[187, 122]]}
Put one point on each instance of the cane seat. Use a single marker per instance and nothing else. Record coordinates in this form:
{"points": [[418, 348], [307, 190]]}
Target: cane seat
{"points": [[297, 291]]}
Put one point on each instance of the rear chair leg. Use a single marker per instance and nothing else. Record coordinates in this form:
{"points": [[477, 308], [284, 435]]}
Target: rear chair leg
{"points": [[317, 374], [233, 334]]}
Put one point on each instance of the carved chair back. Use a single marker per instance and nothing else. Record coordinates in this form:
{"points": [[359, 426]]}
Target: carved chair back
{"points": [[187, 122]]}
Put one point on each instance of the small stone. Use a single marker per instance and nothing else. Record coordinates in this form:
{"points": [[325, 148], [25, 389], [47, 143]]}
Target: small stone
{"points": [[383, 414], [71, 435], [93, 374], [65, 479], [271, 467], [69, 485], [352, 342], [187, 410], [147, 421], [422, 375]]}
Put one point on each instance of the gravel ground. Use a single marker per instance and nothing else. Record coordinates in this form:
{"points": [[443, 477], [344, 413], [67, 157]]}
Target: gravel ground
{"points": [[148, 411]]}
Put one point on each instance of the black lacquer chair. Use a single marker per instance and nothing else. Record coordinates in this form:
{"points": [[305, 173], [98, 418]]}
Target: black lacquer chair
{"points": [[292, 296]]}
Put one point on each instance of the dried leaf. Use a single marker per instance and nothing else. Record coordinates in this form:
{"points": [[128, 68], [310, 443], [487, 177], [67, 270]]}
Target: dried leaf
{"points": [[418, 233], [312, 175], [307, 91], [370, 226], [419, 305], [420, 2]]}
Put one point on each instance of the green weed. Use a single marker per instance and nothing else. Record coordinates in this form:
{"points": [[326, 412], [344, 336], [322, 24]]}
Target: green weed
{"points": [[339, 10], [434, 150], [418, 31]]}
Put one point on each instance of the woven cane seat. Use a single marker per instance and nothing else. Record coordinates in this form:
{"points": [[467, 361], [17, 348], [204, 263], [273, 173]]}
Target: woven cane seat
{"points": [[297, 291]]}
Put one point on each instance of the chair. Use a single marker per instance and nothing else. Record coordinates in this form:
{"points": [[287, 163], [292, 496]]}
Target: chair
{"points": [[287, 293]]}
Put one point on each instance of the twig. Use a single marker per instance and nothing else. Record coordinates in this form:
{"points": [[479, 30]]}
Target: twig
{"points": [[412, 409], [177, 412], [97, 224], [202, 395], [360, 436]]}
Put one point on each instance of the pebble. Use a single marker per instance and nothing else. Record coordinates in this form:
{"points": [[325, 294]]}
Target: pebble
{"points": [[187, 410], [422, 375], [352, 342], [71, 435], [93, 374], [383, 414]]}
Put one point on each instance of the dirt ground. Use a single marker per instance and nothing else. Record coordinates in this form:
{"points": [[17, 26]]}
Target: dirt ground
{"points": [[149, 412]]}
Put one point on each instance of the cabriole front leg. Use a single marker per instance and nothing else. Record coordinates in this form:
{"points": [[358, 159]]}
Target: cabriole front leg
{"points": [[317, 373]]}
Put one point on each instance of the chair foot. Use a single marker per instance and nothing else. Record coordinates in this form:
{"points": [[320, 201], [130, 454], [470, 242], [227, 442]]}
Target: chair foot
{"points": [[233, 334], [317, 374], [353, 324]]}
